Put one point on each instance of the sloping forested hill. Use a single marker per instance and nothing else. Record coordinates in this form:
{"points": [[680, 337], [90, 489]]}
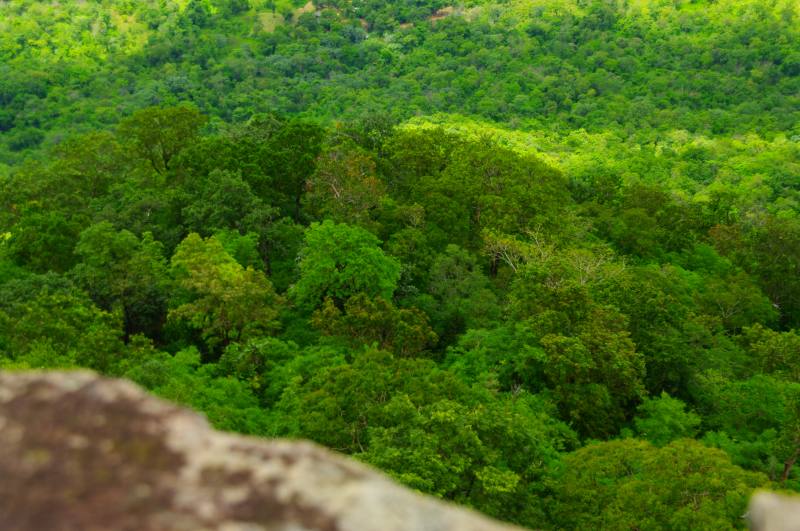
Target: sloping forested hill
{"points": [[541, 258], [636, 67]]}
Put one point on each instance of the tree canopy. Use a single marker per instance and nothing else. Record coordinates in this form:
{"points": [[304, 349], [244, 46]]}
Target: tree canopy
{"points": [[538, 258]]}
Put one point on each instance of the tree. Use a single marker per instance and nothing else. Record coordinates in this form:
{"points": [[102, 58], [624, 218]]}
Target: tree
{"points": [[273, 155], [668, 327], [158, 134], [257, 361], [90, 164], [242, 247], [344, 187], [234, 7], [504, 190], [507, 358], [219, 297], [50, 323], [366, 321], [787, 447], [663, 419], [753, 420], [430, 430], [631, 484], [769, 250], [737, 301], [471, 453], [293, 154], [776, 353], [224, 200], [44, 240], [462, 292], [585, 355], [197, 13], [414, 154], [339, 261], [120, 271], [474, 184], [80, 170], [228, 403], [596, 376]]}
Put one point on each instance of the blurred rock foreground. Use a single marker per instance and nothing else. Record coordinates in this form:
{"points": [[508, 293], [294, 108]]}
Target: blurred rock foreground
{"points": [[82, 452], [769, 511], [78, 451]]}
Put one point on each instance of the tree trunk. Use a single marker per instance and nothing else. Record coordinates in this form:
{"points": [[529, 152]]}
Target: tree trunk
{"points": [[787, 466]]}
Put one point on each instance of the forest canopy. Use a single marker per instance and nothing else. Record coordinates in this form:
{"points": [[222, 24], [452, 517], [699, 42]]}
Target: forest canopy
{"points": [[540, 258]]}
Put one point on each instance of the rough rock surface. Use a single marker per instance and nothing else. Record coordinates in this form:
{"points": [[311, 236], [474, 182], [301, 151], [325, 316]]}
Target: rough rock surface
{"points": [[769, 511], [78, 451]]}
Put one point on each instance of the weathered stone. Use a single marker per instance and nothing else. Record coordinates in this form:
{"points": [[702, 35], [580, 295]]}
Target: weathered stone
{"points": [[78, 451], [769, 511]]}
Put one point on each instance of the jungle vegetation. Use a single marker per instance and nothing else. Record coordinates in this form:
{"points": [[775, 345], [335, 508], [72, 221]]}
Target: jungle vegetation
{"points": [[538, 257]]}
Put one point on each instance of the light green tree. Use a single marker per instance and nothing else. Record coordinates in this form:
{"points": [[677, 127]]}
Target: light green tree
{"points": [[630, 484], [219, 297], [664, 419], [339, 261]]}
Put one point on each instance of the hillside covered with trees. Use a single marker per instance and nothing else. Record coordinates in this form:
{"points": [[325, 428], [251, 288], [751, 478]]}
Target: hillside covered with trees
{"points": [[538, 257]]}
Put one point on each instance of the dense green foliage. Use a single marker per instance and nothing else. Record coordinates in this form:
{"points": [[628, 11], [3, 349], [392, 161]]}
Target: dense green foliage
{"points": [[639, 67], [572, 305]]}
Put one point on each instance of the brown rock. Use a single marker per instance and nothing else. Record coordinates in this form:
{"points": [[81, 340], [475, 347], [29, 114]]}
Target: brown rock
{"points": [[78, 451]]}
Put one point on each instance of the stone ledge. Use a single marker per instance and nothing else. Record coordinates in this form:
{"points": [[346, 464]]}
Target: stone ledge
{"points": [[80, 451]]}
